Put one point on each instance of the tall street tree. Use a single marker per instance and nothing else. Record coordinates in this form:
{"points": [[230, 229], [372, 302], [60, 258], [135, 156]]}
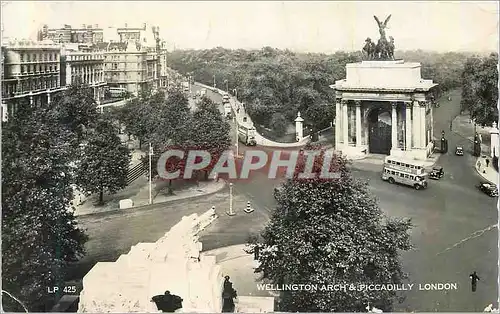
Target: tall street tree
{"points": [[40, 235], [327, 231], [480, 88], [76, 109], [104, 161], [210, 131]]}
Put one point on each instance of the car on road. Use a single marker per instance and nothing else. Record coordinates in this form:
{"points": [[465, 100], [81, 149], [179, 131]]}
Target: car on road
{"points": [[487, 188], [436, 173], [459, 151]]}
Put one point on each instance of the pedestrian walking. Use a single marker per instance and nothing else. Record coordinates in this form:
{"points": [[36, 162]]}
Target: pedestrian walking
{"points": [[474, 279], [487, 163], [451, 124]]}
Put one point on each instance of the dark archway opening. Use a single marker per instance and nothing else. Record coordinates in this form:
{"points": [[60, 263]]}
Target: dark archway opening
{"points": [[379, 128]]}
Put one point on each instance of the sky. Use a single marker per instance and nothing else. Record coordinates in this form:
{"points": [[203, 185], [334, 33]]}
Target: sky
{"points": [[305, 26]]}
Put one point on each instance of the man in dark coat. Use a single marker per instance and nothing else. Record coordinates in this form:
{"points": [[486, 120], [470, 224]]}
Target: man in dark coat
{"points": [[228, 295], [474, 278], [167, 303]]}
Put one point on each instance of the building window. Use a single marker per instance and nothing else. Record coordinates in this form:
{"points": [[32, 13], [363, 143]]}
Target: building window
{"points": [[28, 57], [115, 66], [22, 57]]}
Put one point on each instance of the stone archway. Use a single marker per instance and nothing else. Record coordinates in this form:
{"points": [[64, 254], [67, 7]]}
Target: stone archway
{"points": [[379, 130]]}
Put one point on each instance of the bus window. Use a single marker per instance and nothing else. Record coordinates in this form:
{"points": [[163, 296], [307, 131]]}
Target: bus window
{"points": [[397, 164], [406, 176], [412, 177]]}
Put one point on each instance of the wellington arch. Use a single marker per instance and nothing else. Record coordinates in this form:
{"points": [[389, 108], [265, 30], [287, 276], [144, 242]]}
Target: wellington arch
{"points": [[384, 107]]}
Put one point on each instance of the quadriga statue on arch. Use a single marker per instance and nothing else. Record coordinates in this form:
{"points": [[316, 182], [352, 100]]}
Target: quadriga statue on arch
{"points": [[384, 49]]}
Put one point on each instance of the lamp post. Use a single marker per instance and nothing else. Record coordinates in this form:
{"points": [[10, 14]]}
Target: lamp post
{"points": [[230, 213], [235, 91], [214, 81], [150, 184], [227, 85], [237, 144]]}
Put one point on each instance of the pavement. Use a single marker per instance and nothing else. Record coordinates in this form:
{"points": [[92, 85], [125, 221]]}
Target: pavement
{"points": [[455, 227], [138, 192], [464, 128], [239, 266]]}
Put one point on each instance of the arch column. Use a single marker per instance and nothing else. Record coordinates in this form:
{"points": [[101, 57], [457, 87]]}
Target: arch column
{"points": [[394, 126], [423, 124], [358, 123], [416, 124], [338, 121], [408, 126], [345, 123]]}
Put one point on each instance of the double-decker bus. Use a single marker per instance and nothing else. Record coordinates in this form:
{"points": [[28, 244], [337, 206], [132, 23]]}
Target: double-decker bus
{"points": [[246, 134], [401, 164], [407, 172], [117, 92]]}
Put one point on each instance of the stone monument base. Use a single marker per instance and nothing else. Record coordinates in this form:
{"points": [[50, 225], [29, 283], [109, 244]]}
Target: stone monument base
{"points": [[353, 152], [172, 263]]}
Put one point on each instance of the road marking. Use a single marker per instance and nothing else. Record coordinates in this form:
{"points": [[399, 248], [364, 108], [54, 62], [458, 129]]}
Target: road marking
{"points": [[472, 236]]}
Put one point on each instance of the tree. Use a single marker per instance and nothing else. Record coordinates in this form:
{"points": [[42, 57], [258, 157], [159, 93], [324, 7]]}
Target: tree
{"points": [[40, 236], [326, 231], [210, 131], [76, 108], [104, 161], [279, 124], [480, 88], [173, 123]]}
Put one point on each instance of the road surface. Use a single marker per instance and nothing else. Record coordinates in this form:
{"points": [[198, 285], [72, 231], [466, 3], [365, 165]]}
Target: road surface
{"points": [[453, 232]]}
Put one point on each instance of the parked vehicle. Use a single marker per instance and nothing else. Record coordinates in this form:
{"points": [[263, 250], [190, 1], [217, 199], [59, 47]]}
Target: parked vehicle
{"points": [[225, 99], [436, 173], [489, 189], [459, 151]]}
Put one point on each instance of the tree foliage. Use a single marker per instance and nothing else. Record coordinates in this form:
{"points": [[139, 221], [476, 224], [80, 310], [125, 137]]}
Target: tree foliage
{"points": [[210, 131], [480, 88], [273, 81], [76, 108], [104, 162], [39, 231], [331, 231]]}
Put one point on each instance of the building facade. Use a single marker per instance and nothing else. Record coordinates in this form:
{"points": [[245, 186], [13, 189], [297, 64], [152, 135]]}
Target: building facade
{"points": [[130, 66], [88, 34], [163, 73], [384, 107], [31, 70], [85, 68]]}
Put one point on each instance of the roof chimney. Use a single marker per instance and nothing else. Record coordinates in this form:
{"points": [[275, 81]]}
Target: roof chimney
{"points": [[84, 26], [96, 25]]}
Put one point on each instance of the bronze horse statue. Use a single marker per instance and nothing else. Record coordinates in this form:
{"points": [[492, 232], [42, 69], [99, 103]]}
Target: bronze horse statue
{"points": [[369, 49]]}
